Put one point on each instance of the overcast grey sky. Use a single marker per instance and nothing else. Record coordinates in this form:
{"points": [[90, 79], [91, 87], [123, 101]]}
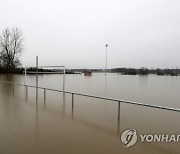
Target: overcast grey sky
{"points": [[74, 32]]}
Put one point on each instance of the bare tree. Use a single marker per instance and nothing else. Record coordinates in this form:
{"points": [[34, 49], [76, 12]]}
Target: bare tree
{"points": [[11, 47]]}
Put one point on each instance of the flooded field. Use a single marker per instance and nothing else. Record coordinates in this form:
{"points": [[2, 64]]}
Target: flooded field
{"points": [[30, 126]]}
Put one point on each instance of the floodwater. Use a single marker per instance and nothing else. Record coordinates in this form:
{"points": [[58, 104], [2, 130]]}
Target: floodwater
{"points": [[92, 127]]}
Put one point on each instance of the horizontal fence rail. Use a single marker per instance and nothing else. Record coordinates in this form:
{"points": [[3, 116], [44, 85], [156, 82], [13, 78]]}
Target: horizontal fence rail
{"points": [[92, 96]]}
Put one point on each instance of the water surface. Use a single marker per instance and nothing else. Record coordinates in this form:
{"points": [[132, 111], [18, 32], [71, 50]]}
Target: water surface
{"points": [[28, 126]]}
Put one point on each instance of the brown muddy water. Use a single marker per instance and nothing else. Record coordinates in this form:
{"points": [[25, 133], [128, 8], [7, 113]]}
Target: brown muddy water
{"points": [[30, 127]]}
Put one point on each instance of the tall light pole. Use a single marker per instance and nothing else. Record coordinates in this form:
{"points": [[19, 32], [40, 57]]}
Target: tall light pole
{"points": [[106, 59]]}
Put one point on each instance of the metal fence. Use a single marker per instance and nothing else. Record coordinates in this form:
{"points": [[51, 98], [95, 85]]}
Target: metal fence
{"points": [[119, 102]]}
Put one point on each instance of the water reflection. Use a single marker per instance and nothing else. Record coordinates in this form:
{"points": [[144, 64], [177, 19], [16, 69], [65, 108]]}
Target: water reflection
{"points": [[118, 126], [36, 122], [26, 87], [56, 125], [105, 85], [64, 103], [143, 79], [8, 88], [72, 114]]}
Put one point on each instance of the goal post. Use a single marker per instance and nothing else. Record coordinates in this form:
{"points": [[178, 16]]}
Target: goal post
{"points": [[51, 66], [59, 67]]}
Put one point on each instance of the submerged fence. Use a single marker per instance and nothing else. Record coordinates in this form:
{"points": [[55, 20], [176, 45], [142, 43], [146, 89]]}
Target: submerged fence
{"points": [[73, 94]]}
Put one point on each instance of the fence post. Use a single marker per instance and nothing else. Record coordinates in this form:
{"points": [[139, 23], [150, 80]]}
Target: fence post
{"points": [[119, 109], [13, 89], [64, 73], [44, 96], [26, 92], [72, 101]]}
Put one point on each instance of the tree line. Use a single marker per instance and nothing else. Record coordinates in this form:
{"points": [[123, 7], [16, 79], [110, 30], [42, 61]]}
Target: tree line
{"points": [[146, 71]]}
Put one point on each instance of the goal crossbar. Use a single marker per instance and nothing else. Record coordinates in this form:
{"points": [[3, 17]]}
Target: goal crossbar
{"points": [[51, 66]]}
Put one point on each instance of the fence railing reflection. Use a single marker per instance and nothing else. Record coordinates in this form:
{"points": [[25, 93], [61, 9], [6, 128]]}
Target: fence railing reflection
{"points": [[92, 96]]}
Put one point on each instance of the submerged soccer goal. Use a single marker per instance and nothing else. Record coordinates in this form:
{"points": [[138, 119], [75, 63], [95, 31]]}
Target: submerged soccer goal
{"points": [[58, 71]]}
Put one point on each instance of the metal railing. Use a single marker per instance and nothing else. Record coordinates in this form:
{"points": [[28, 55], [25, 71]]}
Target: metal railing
{"points": [[92, 96]]}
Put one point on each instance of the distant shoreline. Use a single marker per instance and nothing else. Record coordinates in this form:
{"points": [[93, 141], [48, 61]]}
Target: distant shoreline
{"points": [[123, 71]]}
